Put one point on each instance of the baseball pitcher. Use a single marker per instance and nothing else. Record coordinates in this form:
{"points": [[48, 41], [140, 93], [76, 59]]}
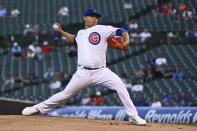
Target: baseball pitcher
{"points": [[92, 45]]}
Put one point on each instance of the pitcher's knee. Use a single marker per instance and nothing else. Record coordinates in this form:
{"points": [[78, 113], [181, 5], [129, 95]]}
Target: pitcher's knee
{"points": [[120, 85]]}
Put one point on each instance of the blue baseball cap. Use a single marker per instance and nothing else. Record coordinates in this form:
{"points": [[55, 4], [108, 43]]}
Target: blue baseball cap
{"points": [[92, 11]]}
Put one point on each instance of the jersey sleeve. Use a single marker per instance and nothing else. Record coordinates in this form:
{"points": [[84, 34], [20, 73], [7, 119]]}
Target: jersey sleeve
{"points": [[75, 42], [109, 31], [75, 38]]}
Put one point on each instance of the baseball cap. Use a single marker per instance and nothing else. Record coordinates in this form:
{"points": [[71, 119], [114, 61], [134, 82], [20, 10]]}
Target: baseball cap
{"points": [[98, 93], [27, 25], [15, 44], [92, 11], [45, 43]]}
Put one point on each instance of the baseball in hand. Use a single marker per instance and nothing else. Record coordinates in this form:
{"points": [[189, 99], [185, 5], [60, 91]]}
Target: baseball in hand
{"points": [[55, 27]]}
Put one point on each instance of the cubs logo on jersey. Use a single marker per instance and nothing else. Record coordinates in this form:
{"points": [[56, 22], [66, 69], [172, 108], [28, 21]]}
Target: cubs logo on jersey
{"points": [[94, 38]]}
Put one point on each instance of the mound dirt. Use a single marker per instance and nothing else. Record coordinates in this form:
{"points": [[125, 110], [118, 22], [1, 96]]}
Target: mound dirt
{"points": [[46, 123]]}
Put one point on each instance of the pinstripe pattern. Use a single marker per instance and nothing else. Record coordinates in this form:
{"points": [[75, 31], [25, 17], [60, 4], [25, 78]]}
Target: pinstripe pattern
{"points": [[109, 79], [84, 78], [92, 56], [80, 80]]}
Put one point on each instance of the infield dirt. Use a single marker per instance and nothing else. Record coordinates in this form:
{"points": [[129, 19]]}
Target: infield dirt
{"points": [[45, 123]]}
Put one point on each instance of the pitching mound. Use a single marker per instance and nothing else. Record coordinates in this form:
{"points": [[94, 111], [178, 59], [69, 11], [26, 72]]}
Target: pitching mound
{"points": [[45, 123]]}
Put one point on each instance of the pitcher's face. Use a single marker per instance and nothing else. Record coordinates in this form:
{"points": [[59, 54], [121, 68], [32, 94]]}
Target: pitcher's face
{"points": [[90, 20]]}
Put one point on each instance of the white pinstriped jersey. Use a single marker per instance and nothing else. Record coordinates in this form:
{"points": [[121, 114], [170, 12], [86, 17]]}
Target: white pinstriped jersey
{"points": [[92, 45]]}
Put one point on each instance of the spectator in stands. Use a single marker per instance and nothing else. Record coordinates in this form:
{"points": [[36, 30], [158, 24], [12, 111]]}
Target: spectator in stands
{"points": [[98, 99], [55, 83], [39, 34], [133, 25], [188, 13], [58, 74], [168, 72], [138, 87], [85, 99], [177, 74], [30, 77], [63, 11], [134, 37], [178, 18], [161, 60], [36, 29], [17, 79], [128, 5], [157, 73], [49, 73], [124, 77], [140, 73], [175, 97], [151, 60], [56, 38], [64, 40], [178, 37], [171, 8], [24, 52], [155, 3], [128, 84], [30, 54], [46, 47], [28, 30], [65, 80], [27, 81], [156, 103], [165, 10], [140, 102], [148, 74], [156, 11], [36, 51], [145, 36], [194, 13], [190, 36], [3, 11], [166, 98], [186, 16], [183, 99], [171, 37], [12, 38], [15, 12], [182, 7], [32, 74], [72, 51], [16, 50], [10, 80]]}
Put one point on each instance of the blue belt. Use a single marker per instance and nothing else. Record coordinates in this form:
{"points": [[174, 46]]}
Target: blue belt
{"points": [[88, 68]]}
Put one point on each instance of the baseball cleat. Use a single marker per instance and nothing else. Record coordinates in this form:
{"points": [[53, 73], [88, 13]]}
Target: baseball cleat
{"points": [[29, 111], [137, 121]]}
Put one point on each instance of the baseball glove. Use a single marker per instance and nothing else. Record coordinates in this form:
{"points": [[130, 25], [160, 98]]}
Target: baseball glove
{"points": [[116, 43]]}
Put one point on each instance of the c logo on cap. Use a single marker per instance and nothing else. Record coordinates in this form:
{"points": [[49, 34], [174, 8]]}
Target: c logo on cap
{"points": [[94, 38]]}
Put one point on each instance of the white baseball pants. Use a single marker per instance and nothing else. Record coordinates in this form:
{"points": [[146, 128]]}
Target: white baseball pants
{"points": [[84, 78]]}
